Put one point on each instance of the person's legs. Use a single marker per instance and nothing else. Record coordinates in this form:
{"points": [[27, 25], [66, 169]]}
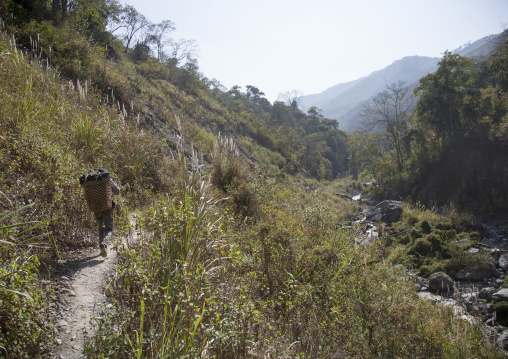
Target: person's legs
{"points": [[100, 223], [108, 227], [105, 223]]}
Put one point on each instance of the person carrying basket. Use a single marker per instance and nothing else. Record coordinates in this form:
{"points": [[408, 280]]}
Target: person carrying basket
{"points": [[99, 189]]}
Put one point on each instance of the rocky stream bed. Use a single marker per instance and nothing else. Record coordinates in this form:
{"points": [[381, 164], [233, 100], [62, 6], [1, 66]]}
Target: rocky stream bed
{"points": [[472, 293]]}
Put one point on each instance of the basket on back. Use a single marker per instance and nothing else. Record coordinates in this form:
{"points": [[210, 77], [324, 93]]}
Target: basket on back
{"points": [[98, 192]]}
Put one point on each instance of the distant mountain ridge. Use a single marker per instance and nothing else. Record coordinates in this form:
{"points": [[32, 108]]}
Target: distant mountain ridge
{"points": [[481, 48], [344, 102]]}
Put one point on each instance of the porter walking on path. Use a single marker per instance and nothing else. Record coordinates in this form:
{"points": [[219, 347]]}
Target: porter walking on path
{"points": [[98, 192], [105, 220]]}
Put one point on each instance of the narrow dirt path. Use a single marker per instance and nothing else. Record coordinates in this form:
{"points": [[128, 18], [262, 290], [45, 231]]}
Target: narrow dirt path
{"points": [[82, 299]]}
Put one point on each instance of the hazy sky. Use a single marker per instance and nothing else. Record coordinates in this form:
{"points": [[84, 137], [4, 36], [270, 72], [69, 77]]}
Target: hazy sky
{"points": [[311, 45]]}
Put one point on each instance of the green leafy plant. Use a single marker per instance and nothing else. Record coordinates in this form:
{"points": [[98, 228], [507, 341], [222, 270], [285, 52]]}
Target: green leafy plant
{"points": [[24, 319], [171, 276]]}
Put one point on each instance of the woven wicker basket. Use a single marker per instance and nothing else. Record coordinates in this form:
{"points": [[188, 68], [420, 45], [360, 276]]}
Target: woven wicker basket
{"points": [[98, 195]]}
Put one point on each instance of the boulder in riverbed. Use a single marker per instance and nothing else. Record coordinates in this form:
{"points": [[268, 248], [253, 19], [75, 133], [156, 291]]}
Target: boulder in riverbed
{"points": [[386, 211], [500, 295], [503, 262], [441, 282], [477, 273]]}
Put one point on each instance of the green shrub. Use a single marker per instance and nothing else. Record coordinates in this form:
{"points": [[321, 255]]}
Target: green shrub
{"points": [[411, 220], [24, 318], [425, 226], [459, 258], [501, 309], [422, 247], [170, 276], [435, 266], [426, 247]]}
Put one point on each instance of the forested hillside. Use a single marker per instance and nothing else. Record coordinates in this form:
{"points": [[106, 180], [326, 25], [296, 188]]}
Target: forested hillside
{"points": [[446, 145], [247, 240]]}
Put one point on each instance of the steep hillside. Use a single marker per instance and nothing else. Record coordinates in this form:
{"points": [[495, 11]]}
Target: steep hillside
{"points": [[323, 99], [482, 48], [235, 231]]}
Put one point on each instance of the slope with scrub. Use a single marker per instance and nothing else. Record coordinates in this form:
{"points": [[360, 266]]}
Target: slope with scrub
{"points": [[239, 253]]}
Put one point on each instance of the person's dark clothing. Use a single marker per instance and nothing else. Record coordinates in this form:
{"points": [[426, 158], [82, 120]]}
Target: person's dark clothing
{"points": [[105, 219]]}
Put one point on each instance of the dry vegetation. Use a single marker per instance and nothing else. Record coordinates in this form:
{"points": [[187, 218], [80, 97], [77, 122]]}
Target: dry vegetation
{"points": [[241, 259]]}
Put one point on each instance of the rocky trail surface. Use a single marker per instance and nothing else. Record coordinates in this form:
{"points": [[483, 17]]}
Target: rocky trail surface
{"points": [[80, 292], [80, 297]]}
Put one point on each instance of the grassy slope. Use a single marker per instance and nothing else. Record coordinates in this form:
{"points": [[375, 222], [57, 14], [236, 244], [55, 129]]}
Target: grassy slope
{"points": [[282, 281]]}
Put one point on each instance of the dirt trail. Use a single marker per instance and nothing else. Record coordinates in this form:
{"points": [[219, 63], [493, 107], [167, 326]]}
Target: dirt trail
{"points": [[81, 296], [82, 299]]}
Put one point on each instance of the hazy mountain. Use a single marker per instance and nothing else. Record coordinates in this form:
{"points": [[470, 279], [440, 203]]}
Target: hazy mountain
{"points": [[341, 102], [344, 102], [483, 47]]}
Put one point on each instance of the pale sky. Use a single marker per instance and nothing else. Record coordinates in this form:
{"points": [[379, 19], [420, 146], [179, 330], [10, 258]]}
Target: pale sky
{"points": [[311, 45]]}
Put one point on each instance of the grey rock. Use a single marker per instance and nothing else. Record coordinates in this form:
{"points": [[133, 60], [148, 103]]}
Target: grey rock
{"points": [[490, 308], [496, 272], [487, 292], [472, 309], [495, 253], [477, 273], [62, 323], [69, 292], [441, 282], [503, 262], [502, 340], [500, 295], [470, 298], [386, 211], [370, 202]]}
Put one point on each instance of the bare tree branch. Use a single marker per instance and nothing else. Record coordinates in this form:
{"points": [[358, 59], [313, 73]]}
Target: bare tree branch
{"points": [[132, 21], [389, 112], [159, 35], [291, 98], [183, 50]]}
